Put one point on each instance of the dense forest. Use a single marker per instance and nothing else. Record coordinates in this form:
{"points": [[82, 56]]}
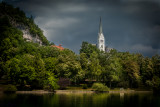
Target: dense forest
{"points": [[25, 63]]}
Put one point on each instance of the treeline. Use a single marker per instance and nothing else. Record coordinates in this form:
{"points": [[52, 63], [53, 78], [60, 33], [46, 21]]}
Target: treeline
{"points": [[120, 69], [25, 63]]}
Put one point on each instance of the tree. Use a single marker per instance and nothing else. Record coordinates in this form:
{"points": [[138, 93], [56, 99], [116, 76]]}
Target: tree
{"points": [[88, 48], [50, 81], [12, 69], [94, 70], [156, 84], [112, 70], [147, 71], [47, 51], [84, 61], [156, 77], [131, 68], [68, 65], [50, 64], [156, 65]]}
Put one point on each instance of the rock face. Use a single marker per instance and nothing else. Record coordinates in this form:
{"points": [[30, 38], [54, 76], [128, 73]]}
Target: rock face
{"points": [[26, 33], [17, 18], [29, 37]]}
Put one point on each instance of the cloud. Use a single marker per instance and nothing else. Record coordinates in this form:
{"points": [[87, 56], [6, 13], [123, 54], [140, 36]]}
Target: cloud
{"points": [[54, 27], [128, 25], [71, 7], [147, 50], [58, 23]]}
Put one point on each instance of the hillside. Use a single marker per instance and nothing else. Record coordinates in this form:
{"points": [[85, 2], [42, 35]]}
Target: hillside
{"points": [[17, 19], [29, 65], [23, 50]]}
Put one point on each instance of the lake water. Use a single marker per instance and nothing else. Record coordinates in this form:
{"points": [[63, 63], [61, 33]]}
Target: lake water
{"points": [[80, 100]]}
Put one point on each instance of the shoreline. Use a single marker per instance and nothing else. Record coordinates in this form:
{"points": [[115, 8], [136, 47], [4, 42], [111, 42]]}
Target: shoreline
{"points": [[77, 92], [34, 92]]}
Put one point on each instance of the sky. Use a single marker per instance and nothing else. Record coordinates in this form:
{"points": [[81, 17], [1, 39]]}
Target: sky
{"points": [[128, 25]]}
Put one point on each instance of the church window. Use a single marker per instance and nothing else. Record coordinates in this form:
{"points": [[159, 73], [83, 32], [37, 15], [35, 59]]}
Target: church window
{"points": [[101, 40], [101, 46]]}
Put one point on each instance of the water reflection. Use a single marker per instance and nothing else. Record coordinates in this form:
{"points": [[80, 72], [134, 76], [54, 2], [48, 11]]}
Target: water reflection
{"points": [[121, 97], [79, 100]]}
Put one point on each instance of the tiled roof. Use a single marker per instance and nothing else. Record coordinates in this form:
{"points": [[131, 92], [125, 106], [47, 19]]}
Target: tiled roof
{"points": [[59, 47]]}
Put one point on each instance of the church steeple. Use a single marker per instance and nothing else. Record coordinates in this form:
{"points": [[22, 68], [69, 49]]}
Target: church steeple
{"points": [[101, 39], [100, 26]]}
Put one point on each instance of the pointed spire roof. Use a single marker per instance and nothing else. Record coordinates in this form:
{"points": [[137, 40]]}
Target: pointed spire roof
{"points": [[100, 26]]}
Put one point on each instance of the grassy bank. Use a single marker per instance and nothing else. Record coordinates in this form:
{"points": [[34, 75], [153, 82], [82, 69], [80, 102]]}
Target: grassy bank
{"points": [[79, 89]]}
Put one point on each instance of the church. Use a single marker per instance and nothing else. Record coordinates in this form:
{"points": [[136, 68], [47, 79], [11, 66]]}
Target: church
{"points": [[101, 40]]}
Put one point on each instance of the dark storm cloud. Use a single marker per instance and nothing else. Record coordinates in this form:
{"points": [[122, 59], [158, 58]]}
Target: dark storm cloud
{"points": [[128, 25]]}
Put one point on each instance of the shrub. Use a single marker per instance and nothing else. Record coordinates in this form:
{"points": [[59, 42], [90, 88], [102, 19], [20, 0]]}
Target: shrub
{"points": [[47, 88], [10, 89], [99, 87], [84, 86], [63, 83]]}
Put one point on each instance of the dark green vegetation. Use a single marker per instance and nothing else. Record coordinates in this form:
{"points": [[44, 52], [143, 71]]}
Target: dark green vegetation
{"points": [[120, 69], [28, 65], [18, 18], [79, 100], [99, 87], [10, 89]]}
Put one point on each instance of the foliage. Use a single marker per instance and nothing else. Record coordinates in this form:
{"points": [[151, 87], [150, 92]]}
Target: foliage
{"points": [[10, 89], [68, 66], [51, 82], [18, 17], [99, 87], [88, 48], [132, 70], [63, 83], [22, 61], [47, 51], [156, 84], [84, 86], [120, 69]]}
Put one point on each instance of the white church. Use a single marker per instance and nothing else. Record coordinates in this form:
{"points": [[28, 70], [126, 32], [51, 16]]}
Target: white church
{"points": [[101, 40]]}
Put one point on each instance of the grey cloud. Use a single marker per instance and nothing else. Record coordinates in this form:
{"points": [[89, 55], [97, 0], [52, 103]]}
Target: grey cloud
{"points": [[128, 25]]}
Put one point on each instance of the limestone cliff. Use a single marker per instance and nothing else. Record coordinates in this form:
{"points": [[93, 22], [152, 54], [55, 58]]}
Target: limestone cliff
{"points": [[26, 33], [18, 19]]}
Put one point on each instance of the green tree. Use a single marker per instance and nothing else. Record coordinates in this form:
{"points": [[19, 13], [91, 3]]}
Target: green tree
{"points": [[68, 65], [147, 71], [156, 77], [112, 69], [51, 81], [50, 64], [94, 71], [88, 48], [131, 68], [47, 51], [84, 61]]}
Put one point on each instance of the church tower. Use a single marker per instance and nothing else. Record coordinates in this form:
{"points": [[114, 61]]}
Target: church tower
{"points": [[101, 39]]}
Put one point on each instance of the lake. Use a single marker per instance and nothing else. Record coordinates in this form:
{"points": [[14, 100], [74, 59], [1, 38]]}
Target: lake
{"points": [[80, 100]]}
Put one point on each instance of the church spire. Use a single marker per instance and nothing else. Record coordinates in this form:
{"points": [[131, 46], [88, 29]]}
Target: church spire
{"points": [[101, 39], [100, 26]]}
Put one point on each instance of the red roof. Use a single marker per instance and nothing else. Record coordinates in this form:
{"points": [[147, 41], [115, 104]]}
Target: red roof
{"points": [[59, 47]]}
